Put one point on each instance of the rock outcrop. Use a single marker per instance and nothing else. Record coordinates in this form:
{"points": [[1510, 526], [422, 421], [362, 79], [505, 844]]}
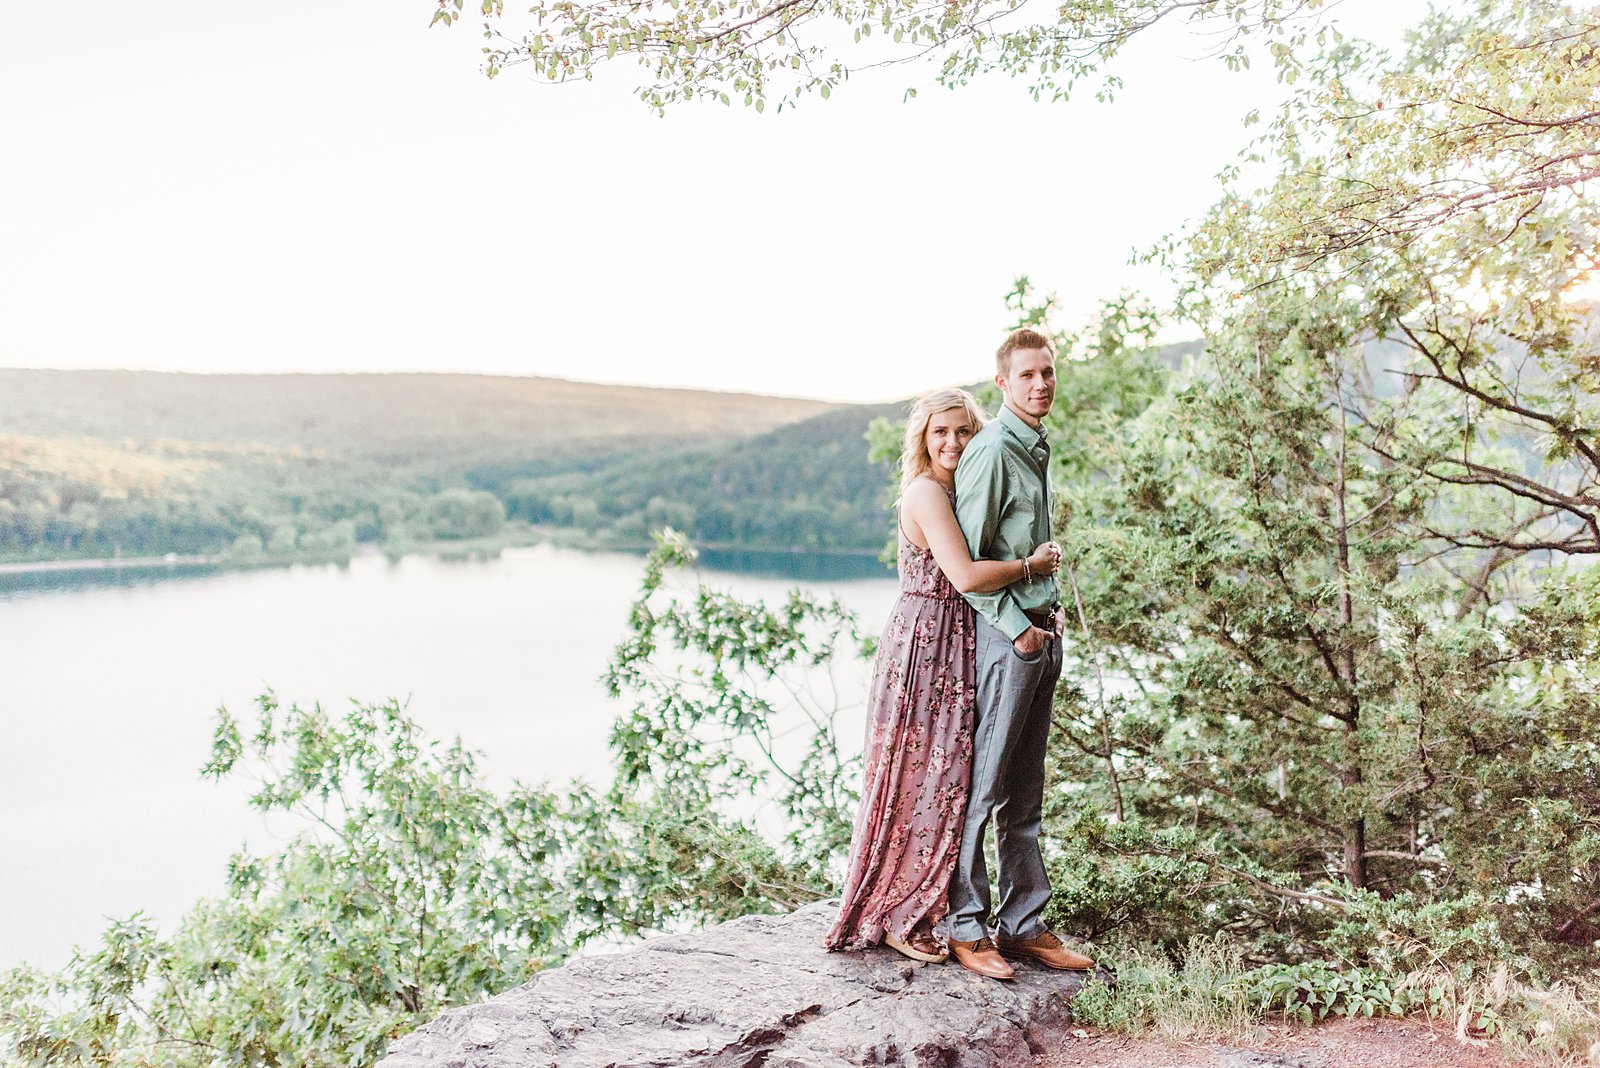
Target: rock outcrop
{"points": [[758, 992]]}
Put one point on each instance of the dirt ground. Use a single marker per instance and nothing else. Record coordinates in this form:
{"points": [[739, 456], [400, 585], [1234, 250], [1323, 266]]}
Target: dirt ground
{"points": [[1336, 1044]]}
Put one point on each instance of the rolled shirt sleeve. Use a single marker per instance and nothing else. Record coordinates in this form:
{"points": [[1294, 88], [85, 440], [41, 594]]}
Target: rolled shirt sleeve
{"points": [[981, 483]]}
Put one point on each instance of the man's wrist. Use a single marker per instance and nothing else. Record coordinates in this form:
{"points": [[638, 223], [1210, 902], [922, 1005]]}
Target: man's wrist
{"points": [[1011, 620]]}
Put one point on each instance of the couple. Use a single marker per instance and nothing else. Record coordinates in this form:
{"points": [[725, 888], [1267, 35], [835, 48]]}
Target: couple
{"points": [[959, 710]]}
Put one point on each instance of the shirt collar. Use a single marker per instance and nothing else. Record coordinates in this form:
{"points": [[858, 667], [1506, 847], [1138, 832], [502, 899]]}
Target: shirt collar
{"points": [[1025, 433]]}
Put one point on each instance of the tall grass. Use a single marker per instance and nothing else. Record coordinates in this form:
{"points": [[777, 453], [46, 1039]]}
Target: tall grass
{"points": [[1210, 993], [1206, 996]]}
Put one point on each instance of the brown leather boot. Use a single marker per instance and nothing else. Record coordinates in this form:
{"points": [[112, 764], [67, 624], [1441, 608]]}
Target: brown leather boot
{"points": [[981, 957], [1047, 949]]}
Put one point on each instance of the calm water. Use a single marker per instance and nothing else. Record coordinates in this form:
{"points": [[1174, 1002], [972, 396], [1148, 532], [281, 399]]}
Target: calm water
{"points": [[108, 684]]}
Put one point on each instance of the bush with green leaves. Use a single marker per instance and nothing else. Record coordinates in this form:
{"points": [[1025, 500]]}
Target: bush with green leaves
{"points": [[411, 886]]}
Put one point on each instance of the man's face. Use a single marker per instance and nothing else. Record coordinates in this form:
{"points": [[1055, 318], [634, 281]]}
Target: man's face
{"points": [[1030, 384]]}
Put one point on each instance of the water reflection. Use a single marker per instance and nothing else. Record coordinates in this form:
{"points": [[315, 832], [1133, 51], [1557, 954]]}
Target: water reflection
{"points": [[803, 567], [794, 566], [14, 584], [108, 681]]}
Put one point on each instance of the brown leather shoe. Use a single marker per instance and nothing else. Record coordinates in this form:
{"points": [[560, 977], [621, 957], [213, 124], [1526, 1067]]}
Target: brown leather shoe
{"points": [[1047, 949], [981, 957]]}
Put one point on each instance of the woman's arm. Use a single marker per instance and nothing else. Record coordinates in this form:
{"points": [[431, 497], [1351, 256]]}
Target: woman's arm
{"points": [[924, 509]]}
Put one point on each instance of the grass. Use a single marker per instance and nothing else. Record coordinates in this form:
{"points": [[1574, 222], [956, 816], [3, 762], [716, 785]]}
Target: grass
{"points": [[1213, 994], [1203, 997], [1551, 1025]]}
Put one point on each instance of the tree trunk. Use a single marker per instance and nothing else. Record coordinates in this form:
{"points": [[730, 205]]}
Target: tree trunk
{"points": [[1355, 835]]}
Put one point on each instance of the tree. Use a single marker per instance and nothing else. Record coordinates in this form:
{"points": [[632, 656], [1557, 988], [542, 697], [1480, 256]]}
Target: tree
{"points": [[1275, 719], [1448, 186], [1486, 123], [727, 700], [410, 888], [785, 50], [463, 513]]}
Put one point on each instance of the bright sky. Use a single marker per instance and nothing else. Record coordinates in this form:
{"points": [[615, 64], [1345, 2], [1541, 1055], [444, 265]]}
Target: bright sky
{"points": [[205, 186]]}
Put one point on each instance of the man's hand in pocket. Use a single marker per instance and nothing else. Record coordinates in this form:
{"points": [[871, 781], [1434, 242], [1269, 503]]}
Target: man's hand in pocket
{"points": [[1030, 641]]}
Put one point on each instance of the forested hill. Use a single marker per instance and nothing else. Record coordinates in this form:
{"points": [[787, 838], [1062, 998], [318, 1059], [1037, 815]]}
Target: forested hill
{"points": [[806, 485], [438, 420], [118, 463]]}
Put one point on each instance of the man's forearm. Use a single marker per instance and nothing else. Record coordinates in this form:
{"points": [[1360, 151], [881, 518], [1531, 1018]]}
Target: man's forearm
{"points": [[1002, 611]]}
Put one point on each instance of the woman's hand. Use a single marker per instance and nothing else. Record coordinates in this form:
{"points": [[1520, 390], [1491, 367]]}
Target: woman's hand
{"points": [[1046, 559]]}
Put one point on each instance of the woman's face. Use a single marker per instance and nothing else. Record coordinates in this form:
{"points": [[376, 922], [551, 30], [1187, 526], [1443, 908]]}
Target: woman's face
{"points": [[947, 435]]}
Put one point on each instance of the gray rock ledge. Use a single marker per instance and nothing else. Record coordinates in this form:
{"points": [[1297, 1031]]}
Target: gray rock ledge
{"points": [[757, 992]]}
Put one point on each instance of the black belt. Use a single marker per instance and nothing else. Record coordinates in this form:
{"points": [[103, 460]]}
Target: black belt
{"points": [[1044, 618]]}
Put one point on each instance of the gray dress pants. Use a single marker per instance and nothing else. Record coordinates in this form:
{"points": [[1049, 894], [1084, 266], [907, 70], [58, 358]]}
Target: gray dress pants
{"points": [[1009, 736]]}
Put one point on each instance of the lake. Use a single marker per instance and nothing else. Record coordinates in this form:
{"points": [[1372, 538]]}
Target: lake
{"points": [[108, 684]]}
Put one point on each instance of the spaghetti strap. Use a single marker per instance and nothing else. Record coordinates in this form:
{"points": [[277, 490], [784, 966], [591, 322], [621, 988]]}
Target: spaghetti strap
{"points": [[900, 522]]}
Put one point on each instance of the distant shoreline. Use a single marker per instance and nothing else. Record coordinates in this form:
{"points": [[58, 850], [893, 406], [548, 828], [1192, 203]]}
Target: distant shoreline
{"points": [[108, 564], [444, 549]]}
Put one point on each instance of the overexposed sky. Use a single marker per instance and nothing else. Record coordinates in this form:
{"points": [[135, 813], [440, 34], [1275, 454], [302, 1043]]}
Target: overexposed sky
{"points": [[255, 186]]}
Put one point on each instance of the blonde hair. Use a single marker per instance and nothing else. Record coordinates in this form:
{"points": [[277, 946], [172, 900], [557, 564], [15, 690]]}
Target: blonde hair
{"points": [[914, 460]]}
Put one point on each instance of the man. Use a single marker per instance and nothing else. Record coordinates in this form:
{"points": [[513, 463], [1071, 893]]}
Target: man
{"points": [[1003, 505]]}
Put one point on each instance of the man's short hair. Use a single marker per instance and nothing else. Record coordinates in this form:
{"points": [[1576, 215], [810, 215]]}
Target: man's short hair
{"points": [[1022, 338]]}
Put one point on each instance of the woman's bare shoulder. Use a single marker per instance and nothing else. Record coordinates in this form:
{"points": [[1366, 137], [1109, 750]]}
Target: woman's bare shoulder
{"points": [[923, 492]]}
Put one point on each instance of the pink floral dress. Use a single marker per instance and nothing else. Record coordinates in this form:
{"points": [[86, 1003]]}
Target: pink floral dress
{"points": [[917, 763]]}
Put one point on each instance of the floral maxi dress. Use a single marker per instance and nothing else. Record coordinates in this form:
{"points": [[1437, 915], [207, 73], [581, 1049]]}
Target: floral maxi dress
{"points": [[917, 762]]}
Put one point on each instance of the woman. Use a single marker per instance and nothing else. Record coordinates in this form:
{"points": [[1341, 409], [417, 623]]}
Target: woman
{"points": [[920, 709]]}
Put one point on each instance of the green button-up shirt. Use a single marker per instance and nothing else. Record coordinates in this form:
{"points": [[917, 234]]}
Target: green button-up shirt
{"points": [[1003, 506]]}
